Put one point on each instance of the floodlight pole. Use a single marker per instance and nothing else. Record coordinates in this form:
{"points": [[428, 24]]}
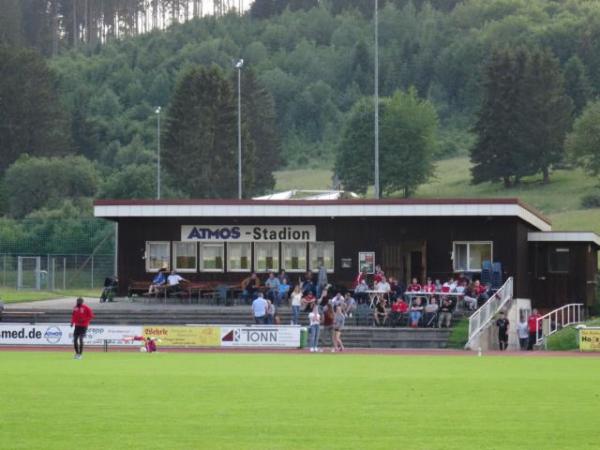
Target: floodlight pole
{"points": [[376, 180], [157, 153], [238, 66]]}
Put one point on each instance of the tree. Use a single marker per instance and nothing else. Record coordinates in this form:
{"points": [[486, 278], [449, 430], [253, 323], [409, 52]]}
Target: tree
{"points": [[132, 181], [583, 143], [200, 141], [31, 117], [34, 183], [407, 144], [577, 83]]}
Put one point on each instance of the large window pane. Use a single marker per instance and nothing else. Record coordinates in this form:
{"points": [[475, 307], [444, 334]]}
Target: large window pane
{"points": [[558, 260], [211, 257], [238, 257], [322, 252], [294, 256], [184, 256], [158, 255], [479, 252], [266, 257]]}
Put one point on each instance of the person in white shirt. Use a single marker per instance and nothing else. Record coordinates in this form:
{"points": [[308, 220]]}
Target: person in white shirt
{"points": [[383, 286], [296, 300], [523, 333], [174, 282], [259, 309], [314, 319]]}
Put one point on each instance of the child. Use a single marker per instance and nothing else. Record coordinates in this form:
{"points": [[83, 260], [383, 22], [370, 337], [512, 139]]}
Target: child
{"points": [[150, 345]]}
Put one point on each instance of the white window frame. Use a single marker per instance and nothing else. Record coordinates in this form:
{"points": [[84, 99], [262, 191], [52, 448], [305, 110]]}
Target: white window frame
{"points": [[310, 251], [255, 258], [246, 244], [147, 255], [283, 264], [203, 245], [468, 244], [174, 250]]}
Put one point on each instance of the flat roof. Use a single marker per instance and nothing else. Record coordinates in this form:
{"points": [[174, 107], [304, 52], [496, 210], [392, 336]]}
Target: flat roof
{"points": [[564, 236], [493, 207]]}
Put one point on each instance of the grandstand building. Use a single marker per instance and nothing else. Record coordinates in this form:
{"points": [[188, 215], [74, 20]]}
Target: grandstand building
{"points": [[225, 240]]}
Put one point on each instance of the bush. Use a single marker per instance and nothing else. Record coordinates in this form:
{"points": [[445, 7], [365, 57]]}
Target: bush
{"points": [[459, 335], [591, 200], [567, 338]]}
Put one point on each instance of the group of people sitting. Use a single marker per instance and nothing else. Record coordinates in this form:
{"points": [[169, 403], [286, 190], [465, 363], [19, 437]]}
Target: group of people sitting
{"points": [[166, 282]]}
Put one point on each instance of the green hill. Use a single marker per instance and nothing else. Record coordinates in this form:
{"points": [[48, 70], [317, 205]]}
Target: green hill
{"points": [[560, 200]]}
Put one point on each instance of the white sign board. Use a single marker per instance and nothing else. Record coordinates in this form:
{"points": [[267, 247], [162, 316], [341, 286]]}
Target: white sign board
{"points": [[249, 233], [260, 336], [60, 334]]}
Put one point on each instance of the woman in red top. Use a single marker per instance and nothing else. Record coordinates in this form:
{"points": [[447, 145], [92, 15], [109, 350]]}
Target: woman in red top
{"points": [[81, 317], [414, 286], [429, 287]]}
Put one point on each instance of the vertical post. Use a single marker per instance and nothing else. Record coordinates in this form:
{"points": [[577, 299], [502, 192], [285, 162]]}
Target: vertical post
{"points": [[239, 68], [53, 273], [376, 18], [92, 271], [116, 261], [64, 273], [158, 153]]}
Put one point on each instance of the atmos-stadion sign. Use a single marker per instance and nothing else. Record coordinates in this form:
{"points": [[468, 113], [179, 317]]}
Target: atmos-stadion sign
{"points": [[249, 233]]}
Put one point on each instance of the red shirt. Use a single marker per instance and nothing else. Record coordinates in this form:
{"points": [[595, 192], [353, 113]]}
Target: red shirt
{"points": [[377, 278], [532, 323], [414, 287], [82, 316], [481, 289], [400, 307], [429, 287]]}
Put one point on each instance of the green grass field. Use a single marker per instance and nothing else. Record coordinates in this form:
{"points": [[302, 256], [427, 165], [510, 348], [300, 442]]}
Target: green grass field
{"points": [[9, 295], [560, 200], [283, 401]]}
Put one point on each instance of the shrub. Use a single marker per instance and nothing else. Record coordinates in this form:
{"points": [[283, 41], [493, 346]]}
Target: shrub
{"points": [[591, 200]]}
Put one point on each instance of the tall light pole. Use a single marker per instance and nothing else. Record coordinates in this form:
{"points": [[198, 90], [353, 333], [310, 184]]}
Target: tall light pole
{"points": [[157, 111], [376, 18], [239, 66]]}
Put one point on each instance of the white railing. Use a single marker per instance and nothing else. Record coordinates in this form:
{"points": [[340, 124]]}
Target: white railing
{"points": [[559, 318], [481, 318]]}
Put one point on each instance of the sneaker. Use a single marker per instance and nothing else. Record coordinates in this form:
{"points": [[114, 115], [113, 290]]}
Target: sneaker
{"points": [[333, 350], [76, 356], [312, 350], [80, 356]]}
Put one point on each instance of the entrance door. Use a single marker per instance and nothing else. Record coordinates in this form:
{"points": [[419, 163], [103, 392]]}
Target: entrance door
{"points": [[404, 260]]}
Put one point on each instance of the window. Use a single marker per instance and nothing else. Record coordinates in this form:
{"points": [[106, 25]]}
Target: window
{"points": [[184, 256], [266, 256], [469, 256], [238, 257], [558, 260], [321, 252], [211, 257], [158, 255], [294, 256]]}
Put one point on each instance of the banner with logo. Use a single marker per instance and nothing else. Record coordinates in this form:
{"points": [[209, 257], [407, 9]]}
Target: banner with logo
{"points": [[257, 336], [589, 339], [249, 233], [189, 336], [60, 334]]}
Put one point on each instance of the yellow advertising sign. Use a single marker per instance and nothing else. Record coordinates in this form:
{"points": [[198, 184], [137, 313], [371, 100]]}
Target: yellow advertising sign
{"points": [[589, 340], [185, 336]]}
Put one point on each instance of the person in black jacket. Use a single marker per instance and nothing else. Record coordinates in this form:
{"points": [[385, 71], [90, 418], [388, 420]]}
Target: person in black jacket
{"points": [[502, 324]]}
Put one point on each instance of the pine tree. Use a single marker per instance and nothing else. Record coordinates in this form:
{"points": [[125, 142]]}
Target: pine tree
{"points": [[200, 142]]}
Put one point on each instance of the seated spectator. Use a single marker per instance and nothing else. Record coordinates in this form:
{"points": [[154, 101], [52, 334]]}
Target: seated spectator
{"points": [[308, 301], [308, 284], [381, 313], [449, 285], [383, 286], [360, 292], [438, 285], [174, 282], [397, 288], [350, 304], [158, 281], [462, 278], [270, 313], [379, 275], [272, 285], [470, 302], [284, 289], [416, 311], [250, 287], [414, 286], [445, 315], [480, 292], [283, 275], [429, 286], [431, 310], [399, 309]]}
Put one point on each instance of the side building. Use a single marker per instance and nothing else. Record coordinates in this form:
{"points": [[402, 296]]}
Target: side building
{"points": [[225, 240]]}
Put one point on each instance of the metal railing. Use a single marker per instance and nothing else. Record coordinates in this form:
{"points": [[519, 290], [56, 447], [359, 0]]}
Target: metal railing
{"points": [[559, 318], [481, 318]]}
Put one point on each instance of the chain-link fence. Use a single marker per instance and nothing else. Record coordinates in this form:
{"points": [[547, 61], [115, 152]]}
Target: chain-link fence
{"points": [[55, 271]]}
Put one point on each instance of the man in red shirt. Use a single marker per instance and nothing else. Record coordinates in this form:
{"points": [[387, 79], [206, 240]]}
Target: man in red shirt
{"points": [[532, 325], [399, 308], [81, 317]]}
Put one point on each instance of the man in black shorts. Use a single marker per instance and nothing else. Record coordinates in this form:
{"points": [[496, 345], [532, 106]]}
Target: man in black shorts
{"points": [[502, 324], [81, 317]]}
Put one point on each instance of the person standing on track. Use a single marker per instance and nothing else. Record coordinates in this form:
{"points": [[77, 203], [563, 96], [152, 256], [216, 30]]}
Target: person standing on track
{"points": [[80, 318], [502, 324], [338, 325]]}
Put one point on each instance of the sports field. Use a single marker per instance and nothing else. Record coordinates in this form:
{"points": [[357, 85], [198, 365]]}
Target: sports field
{"points": [[288, 401]]}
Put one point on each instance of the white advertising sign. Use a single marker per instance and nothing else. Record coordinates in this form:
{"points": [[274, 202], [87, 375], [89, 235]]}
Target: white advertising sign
{"points": [[260, 336], [249, 233], [60, 334]]}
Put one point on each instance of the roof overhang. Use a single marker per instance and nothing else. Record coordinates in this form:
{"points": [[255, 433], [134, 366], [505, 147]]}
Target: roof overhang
{"points": [[564, 236], [115, 209]]}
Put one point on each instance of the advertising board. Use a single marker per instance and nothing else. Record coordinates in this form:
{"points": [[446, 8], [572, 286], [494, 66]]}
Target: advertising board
{"points": [[589, 339], [185, 336], [257, 336], [249, 233], [60, 334]]}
